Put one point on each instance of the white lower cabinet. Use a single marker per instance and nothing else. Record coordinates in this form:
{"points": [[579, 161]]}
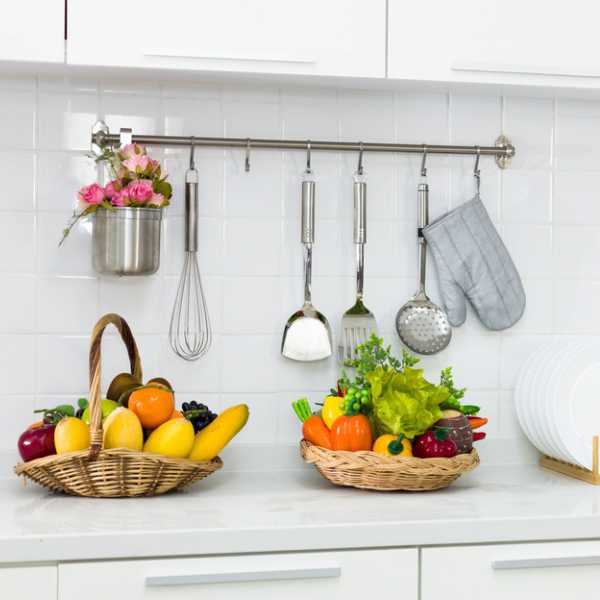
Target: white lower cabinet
{"points": [[28, 583], [297, 576], [553, 571]]}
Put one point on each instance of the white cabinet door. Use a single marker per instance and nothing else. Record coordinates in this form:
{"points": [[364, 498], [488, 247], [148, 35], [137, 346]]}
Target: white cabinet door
{"points": [[318, 576], [33, 30], [28, 583], [553, 571], [495, 41], [312, 37]]}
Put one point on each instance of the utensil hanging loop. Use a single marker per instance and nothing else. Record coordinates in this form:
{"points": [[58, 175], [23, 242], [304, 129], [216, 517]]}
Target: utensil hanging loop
{"points": [[359, 169], [476, 170], [423, 161], [247, 161], [308, 168]]}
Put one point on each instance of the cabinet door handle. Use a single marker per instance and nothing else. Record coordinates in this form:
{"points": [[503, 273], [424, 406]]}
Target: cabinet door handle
{"points": [[483, 67], [321, 572], [167, 53], [543, 563]]}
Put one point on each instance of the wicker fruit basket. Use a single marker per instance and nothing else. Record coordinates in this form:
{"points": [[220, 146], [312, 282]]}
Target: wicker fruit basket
{"points": [[118, 472], [371, 471]]}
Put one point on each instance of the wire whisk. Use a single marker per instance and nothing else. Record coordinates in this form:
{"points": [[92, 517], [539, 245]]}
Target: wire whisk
{"points": [[190, 331]]}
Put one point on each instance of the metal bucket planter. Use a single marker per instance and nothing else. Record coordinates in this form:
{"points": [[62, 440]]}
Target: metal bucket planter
{"points": [[126, 241]]}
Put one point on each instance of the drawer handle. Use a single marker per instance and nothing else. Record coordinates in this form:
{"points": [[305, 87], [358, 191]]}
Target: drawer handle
{"points": [[330, 572], [166, 53], [475, 66], [543, 563]]}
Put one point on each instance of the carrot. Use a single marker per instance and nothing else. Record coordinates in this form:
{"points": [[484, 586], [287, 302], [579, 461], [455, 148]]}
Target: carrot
{"points": [[315, 431], [477, 422]]}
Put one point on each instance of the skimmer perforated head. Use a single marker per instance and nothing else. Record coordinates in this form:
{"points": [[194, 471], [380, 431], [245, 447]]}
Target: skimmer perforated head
{"points": [[422, 325]]}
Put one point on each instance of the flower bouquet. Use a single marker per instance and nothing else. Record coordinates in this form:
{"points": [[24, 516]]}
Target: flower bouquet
{"points": [[127, 212]]}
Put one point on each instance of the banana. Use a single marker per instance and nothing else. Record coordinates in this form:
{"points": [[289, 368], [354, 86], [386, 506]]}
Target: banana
{"points": [[213, 438]]}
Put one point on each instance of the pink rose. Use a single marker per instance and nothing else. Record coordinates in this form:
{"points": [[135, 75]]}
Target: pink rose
{"points": [[113, 188], [156, 200], [120, 199], [91, 194], [138, 163], [140, 191], [131, 150]]}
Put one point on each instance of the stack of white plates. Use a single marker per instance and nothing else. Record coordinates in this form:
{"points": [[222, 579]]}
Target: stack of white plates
{"points": [[558, 400]]}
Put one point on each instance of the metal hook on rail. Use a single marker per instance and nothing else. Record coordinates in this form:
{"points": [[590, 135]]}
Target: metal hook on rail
{"points": [[423, 161], [192, 162], [247, 160], [359, 168], [308, 168], [476, 171]]}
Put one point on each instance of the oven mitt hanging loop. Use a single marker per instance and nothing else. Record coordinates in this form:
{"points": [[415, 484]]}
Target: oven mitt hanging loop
{"points": [[473, 263]]}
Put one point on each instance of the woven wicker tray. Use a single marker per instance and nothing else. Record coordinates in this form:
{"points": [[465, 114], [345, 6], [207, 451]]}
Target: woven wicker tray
{"points": [[119, 472], [371, 471]]}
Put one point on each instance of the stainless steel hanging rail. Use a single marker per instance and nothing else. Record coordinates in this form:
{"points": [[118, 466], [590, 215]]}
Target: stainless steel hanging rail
{"points": [[503, 151]]}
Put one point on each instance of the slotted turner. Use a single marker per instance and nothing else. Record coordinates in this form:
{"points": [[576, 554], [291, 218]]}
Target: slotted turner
{"points": [[358, 322]]}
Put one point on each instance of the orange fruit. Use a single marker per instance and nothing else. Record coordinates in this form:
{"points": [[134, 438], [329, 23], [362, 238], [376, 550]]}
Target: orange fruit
{"points": [[152, 405]]}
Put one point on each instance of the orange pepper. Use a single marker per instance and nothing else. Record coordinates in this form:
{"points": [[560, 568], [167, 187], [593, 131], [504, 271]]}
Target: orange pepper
{"points": [[477, 422], [351, 433]]}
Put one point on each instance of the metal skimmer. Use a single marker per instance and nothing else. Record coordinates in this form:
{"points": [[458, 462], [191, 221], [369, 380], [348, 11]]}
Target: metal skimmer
{"points": [[422, 325]]}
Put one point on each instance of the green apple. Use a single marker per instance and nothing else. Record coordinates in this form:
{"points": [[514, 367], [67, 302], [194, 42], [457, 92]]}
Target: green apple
{"points": [[107, 407]]}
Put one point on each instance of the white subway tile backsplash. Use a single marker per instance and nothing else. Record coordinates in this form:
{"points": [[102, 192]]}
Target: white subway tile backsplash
{"points": [[250, 303], [17, 242], [59, 176], [545, 207], [64, 120], [252, 247], [19, 188], [531, 249], [529, 122], [17, 118], [67, 304], [74, 256], [526, 196]]}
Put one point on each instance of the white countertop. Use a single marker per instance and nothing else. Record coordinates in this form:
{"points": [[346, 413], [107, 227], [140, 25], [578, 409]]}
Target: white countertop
{"points": [[294, 509]]}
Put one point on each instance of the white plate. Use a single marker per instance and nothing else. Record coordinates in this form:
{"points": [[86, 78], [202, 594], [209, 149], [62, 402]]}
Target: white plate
{"points": [[564, 361], [579, 406], [568, 362], [526, 398], [548, 361]]}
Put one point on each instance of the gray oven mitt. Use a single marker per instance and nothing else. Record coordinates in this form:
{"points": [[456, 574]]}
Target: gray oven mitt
{"points": [[473, 262]]}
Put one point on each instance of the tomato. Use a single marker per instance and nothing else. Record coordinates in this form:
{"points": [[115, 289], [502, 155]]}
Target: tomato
{"points": [[153, 405]]}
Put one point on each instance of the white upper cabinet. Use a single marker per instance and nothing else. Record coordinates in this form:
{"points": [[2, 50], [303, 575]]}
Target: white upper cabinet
{"points": [[33, 30], [312, 37], [495, 41]]}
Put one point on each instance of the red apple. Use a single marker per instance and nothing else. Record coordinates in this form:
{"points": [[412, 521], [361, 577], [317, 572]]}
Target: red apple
{"points": [[35, 443]]}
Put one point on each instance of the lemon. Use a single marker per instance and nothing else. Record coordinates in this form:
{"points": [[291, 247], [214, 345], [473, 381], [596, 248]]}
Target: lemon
{"points": [[174, 438], [122, 429], [71, 434]]}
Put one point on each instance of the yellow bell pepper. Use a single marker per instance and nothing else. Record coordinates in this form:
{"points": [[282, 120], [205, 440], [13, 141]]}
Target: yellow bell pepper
{"points": [[332, 409], [393, 445]]}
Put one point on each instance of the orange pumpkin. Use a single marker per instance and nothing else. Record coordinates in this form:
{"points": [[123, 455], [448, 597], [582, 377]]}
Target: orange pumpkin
{"points": [[152, 405]]}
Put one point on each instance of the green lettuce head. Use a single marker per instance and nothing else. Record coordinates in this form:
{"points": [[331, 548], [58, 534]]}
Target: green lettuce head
{"points": [[404, 402]]}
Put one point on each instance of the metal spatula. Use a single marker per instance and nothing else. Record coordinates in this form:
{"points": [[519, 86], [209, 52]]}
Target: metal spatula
{"points": [[307, 335], [358, 322], [422, 325]]}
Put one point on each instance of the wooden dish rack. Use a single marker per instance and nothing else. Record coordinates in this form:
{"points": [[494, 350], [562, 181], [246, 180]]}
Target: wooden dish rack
{"points": [[590, 476]]}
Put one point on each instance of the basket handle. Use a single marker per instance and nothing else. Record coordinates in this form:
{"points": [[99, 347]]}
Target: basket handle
{"points": [[95, 393]]}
